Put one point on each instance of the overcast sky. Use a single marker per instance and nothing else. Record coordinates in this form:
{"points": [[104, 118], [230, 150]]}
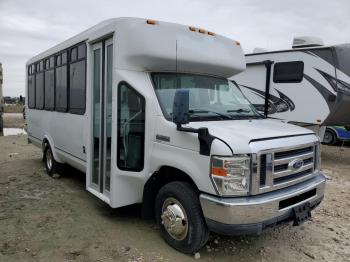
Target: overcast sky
{"points": [[29, 27]]}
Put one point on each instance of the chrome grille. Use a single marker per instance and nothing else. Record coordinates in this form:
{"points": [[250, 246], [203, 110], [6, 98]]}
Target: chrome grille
{"points": [[284, 167]]}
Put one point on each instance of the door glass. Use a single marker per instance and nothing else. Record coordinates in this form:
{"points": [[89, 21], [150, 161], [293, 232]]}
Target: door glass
{"points": [[109, 67], [131, 129], [96, 116]]}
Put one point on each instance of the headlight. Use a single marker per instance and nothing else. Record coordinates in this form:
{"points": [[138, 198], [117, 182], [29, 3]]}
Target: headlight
{"points": [[231, 175]]}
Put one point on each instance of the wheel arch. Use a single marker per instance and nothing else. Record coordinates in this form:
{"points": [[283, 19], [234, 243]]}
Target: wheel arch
{"points": [[163, 176], [49, 141]]}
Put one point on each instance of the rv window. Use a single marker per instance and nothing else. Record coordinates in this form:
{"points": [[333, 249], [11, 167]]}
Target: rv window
{"points": [[131, 128], [77, 87], [39, 90], [61, 89], [288, 72], [49, 89]]}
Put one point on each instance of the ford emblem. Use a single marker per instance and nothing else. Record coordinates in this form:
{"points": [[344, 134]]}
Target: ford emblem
{"points": [[296, 164]]}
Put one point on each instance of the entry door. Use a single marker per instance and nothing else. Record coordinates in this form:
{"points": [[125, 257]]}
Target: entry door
{"points": [[102, 65]]}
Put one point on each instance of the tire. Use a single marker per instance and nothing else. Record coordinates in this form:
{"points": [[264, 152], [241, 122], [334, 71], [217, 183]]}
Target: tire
{"points": [[50, 163], [192, 233], [329, 137]]}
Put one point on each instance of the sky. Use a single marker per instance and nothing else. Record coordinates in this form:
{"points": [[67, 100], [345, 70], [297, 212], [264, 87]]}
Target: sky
{"points": [[29, 27]]}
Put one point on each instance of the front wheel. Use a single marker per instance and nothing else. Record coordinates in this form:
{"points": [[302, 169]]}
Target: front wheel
{"points": [[180, 217]]}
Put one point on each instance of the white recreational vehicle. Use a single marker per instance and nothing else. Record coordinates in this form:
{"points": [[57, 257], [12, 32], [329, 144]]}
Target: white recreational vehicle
{"points": [[308, 85], [146, 109]]}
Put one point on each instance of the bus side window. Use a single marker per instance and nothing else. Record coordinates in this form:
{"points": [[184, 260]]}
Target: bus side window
{"points": [[131, 128]]}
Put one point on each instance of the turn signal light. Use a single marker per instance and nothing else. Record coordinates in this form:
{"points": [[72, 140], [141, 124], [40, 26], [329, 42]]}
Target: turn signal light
{"points": [[151, 22], [218, 171]]}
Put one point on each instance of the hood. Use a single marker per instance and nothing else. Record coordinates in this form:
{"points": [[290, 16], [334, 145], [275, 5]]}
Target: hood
{"points": [[239, 133]]}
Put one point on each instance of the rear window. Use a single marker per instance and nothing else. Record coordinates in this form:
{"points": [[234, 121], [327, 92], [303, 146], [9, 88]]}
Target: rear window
{"points": [[288, 72]]}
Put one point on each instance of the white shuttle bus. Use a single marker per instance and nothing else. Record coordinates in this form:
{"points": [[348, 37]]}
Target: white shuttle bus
{"points": [[146, 109], [307, 85]]}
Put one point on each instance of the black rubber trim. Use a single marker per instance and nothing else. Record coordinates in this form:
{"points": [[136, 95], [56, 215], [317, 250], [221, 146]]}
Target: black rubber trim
{"points": [[278, 137]]}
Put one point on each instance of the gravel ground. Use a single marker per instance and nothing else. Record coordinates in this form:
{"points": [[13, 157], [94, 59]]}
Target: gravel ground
{"points": [[45, 219]]}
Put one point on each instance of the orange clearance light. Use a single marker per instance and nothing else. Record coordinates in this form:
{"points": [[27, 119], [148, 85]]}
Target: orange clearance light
{"points": [[318, 121], [193, 29], [211, 33], [202, 31], [218, 171], [151, 22], [237, 43]]}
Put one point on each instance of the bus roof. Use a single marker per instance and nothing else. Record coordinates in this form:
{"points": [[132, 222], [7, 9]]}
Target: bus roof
{"points": [[162, 46]]}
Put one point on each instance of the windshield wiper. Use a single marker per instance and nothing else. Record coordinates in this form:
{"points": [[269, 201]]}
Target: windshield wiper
{"points": [[240, 110], [200, 111]]}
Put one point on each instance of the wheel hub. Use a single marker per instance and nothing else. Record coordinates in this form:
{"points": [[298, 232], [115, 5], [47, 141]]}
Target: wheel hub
{"points": [[49, 159], [174, 219]]}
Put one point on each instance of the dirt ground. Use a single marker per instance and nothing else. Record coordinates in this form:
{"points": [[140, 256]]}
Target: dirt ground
{"points": [[45, 219]]}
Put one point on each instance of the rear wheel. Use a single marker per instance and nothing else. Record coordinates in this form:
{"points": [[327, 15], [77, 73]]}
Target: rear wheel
{"points": [[180, 217], [50, 162], [329, 137]]}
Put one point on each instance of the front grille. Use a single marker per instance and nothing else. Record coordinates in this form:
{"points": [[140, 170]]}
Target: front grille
{"points": [[294, 152], [283, 179], [279, 168]]}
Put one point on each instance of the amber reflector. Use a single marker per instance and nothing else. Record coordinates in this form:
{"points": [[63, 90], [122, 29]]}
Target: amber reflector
{"points": [[151, 22]]}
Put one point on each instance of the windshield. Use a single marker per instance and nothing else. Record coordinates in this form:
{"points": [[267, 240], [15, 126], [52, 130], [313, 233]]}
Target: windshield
{"points": [[211, 98]]}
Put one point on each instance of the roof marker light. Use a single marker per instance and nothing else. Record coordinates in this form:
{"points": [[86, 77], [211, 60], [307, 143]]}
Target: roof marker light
{"points": [[151, 22], [202, 31], [193, 29], [237, 43], [211, 33]]}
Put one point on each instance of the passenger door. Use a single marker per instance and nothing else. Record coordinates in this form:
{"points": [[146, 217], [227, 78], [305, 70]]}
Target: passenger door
{"points": [[99, 173]]}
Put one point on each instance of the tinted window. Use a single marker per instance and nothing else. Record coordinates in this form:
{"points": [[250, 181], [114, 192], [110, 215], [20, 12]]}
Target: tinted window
{"points": [[131, 128], [49, 89], [58, 60], [82, 51], [31, 91], [61, 88], [288, 72], [77, 87], [64, 58], [39, 90], [74, 54]]}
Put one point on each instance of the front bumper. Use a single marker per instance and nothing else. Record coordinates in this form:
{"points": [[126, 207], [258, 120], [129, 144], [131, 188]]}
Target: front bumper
{"points": [[252, 214]]}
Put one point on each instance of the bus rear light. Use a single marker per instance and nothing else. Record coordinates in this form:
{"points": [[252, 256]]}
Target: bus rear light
{"points": [[151, 22]]}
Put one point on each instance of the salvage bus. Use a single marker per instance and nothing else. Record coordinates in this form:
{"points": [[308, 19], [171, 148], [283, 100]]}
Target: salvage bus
{"points": [[145, 108]]}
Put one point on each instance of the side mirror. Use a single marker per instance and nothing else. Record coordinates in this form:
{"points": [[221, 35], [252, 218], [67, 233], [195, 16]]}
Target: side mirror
{"points": [[181, 107]]}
